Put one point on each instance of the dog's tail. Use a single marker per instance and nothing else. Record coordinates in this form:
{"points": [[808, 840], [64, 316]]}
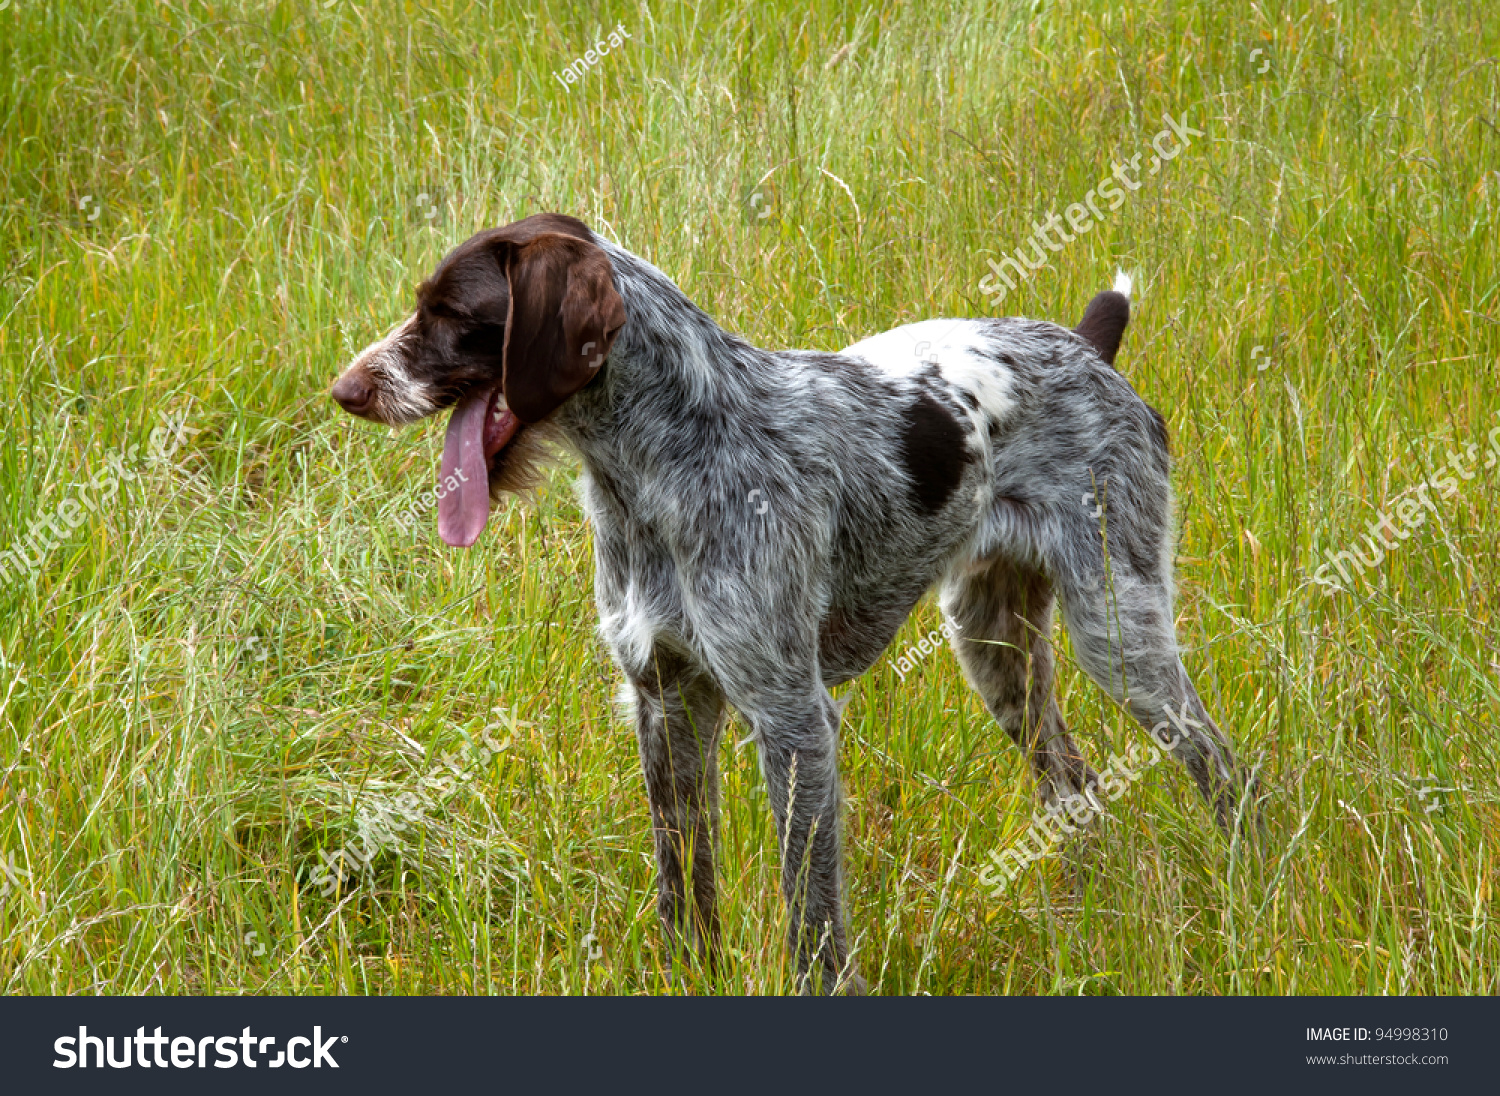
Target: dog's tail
{"points": [[1105, 318]]}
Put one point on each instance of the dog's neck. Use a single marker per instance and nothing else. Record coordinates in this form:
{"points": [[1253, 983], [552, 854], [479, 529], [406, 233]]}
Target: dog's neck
{"points": [[669, 353]]}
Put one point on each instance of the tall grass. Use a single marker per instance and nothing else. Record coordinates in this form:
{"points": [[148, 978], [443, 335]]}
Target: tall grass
{"points": [[209, 687]]}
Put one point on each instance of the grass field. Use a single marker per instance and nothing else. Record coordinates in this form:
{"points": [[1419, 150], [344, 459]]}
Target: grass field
{"points": [[237, 663]]}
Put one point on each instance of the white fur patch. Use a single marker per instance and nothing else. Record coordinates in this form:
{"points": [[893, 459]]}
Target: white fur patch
{"points": [[399, 398], [959, 348], [625, 702], [1123, 284], [986, 378], [630, 631]]}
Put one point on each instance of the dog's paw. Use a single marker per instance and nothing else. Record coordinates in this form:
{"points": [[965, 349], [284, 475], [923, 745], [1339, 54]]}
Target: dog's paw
{"points": [[826, 983], [854, 985]]}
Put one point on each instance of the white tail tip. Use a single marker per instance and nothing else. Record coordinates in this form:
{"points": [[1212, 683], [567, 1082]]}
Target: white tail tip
{"points": [[1123, 283]]}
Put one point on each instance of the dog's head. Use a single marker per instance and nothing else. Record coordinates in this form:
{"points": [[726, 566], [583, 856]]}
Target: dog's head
{"points": [[513, 322]]}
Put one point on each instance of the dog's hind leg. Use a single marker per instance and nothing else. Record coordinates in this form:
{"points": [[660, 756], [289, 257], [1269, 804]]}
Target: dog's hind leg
{"points": [[679, 714], [1119, 618], [1001, 617]]}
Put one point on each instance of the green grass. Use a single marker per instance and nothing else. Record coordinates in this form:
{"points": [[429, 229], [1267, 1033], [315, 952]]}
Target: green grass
{"points": [[230, 663]]}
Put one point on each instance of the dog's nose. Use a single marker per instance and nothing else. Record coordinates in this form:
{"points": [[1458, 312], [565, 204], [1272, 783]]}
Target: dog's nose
{"points": [[354, 393]]}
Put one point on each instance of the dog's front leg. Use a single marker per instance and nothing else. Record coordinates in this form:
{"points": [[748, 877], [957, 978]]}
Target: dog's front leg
{"points": [[799, 756], [679, 715]]}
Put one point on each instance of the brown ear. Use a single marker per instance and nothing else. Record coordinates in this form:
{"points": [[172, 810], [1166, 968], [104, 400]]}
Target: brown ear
{"points": [[563, 317]]}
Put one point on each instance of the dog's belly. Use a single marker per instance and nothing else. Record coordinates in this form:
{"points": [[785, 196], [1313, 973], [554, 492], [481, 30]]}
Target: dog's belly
{"points": [[879, 575], [849, 641]]}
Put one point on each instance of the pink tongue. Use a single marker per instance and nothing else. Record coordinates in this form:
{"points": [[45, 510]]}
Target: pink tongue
{"points": [[463, 512], [474, 435]]}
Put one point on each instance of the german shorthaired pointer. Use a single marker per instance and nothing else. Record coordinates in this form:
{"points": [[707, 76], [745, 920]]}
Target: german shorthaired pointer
{"points": [[764, 521]]}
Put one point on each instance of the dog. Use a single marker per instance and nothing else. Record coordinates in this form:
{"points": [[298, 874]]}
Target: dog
{"points": [[765, 521]]}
